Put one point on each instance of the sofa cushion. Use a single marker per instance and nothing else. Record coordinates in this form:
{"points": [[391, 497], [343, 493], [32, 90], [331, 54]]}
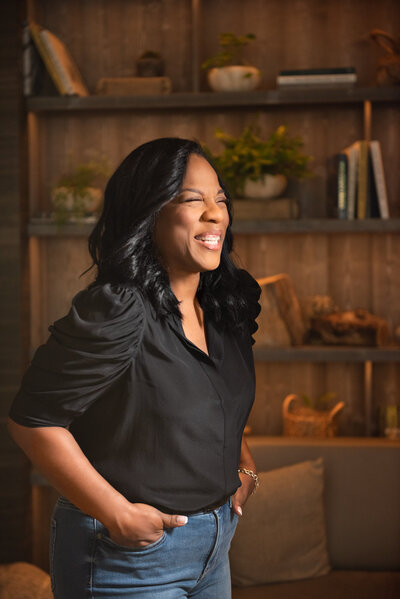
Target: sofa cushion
{"points": [[281, 535], [338, 584], [361, 489]]}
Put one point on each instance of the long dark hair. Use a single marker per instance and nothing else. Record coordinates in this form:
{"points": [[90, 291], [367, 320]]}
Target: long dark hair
{"points": [[121, 244]]}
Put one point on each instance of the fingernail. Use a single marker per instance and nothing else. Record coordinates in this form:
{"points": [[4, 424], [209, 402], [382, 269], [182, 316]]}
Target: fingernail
{"points": [[239, 509], [181, 519]]}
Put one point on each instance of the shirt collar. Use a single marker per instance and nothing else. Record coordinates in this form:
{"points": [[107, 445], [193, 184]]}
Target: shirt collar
{"points": [[214, 336]]}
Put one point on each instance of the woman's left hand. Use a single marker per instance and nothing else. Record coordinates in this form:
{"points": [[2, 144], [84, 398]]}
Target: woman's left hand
{"points": [[248, 483], [242, 494]]}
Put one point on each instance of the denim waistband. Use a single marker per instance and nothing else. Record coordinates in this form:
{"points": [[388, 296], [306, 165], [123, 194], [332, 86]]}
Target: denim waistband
{"points": [[205, 510], [208, 509]]}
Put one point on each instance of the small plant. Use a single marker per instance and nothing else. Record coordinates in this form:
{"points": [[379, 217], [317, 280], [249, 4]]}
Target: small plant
{"points": [[323, 402], [150, 64], [250, 157], [150, 54], [231, 52], [76, 192]]}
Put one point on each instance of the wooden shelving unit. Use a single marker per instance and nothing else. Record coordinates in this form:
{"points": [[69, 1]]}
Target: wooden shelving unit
{"points": [[355, 262]]}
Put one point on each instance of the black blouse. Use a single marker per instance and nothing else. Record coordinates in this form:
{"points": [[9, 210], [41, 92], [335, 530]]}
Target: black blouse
{"points": [[160, 419]]}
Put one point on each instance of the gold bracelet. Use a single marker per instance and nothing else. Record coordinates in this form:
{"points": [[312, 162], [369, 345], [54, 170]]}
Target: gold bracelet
{"points": [[253, 476]]}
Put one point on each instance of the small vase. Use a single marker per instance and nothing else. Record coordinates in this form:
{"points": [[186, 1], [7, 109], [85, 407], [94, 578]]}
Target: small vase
{"points": [[270, 186], [69, 204], [150, 67], [235, 78]]}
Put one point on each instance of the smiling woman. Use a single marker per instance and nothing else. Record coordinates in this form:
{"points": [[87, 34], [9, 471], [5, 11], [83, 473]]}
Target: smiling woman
{"points": [[135, 407]]}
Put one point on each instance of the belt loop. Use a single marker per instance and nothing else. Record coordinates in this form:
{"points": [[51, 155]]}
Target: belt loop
{"points": [[230, 501]]}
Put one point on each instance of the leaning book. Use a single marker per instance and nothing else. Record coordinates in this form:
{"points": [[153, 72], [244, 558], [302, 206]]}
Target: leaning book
{"points": [[59, 62], [379, 178]]}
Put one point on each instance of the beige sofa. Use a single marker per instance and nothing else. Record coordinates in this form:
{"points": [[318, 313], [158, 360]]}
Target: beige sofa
{"points": [[361, 499]]}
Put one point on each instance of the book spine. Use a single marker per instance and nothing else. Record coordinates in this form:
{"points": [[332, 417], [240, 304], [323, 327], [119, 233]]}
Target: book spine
{"points": [[313, 79], [57, 66], [342, 180], [379, 178], [327, 71], [362, 180], [35, 31], [352, 165]]}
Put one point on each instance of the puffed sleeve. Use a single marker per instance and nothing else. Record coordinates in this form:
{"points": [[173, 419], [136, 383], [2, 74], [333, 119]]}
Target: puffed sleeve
{"points": [[252, 291], [86, 354]]}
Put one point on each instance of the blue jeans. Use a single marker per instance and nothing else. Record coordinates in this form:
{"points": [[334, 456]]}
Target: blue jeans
{"points": [[186, 562]]}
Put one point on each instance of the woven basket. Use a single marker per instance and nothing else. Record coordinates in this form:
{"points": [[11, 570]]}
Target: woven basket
{"points": [[306, 422]]}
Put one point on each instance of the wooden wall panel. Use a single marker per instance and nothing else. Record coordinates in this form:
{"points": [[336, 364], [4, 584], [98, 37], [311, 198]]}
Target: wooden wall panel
{"points": [[105, 38], [293, 34], [359, 270], [58, 264], [356, 270]]}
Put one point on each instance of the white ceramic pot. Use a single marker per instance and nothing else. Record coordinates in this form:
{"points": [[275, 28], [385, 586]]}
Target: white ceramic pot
{"points": [[270, 186], [64, 198], [235, 78]]}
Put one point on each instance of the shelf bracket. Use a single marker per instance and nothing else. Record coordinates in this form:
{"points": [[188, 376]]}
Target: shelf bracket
{"points": [[367, 119], [368, 396]]}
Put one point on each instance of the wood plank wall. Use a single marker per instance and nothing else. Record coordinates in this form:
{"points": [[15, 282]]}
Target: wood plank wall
{"points": [[14, 482], [355, 269]]}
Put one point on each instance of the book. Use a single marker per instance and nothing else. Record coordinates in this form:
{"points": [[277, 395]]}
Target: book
{"points": [[294, 80], [321, 71], [372, 198], [351, 152], [31, 63], [338, 185], [58, 61], [317, 77], [363, 180], [53, 72], [379, 178]]}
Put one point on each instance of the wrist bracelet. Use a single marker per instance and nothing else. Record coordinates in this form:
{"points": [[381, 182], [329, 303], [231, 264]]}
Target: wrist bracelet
{"points": [[253, 476]]}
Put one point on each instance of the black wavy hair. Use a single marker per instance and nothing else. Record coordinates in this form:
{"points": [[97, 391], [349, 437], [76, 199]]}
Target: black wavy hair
{"points": [[121, 244]]}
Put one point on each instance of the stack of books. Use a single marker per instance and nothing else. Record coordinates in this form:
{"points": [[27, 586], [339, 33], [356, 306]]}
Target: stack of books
{"points": [[356, 182], [305, 78]]}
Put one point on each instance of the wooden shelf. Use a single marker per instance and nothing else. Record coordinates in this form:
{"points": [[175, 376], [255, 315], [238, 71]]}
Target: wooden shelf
{"points": [[324, 225], [315, 353], [273, 97], [46, 229]]}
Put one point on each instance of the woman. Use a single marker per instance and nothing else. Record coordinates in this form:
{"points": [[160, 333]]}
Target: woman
{"points": [[135, 407]]}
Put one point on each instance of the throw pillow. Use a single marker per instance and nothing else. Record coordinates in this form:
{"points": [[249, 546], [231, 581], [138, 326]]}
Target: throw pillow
{"points": [[281, 535]]}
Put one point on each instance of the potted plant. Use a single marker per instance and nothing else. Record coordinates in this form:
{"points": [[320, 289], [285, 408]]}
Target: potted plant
{"points": [[150, 64], [227, 70], [258, 168], [76, 194]]}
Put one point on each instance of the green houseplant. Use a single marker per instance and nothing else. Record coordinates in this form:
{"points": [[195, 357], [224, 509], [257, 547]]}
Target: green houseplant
{"points": [[323, 402], [76, 194], [250, 158], [228, 70]]}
